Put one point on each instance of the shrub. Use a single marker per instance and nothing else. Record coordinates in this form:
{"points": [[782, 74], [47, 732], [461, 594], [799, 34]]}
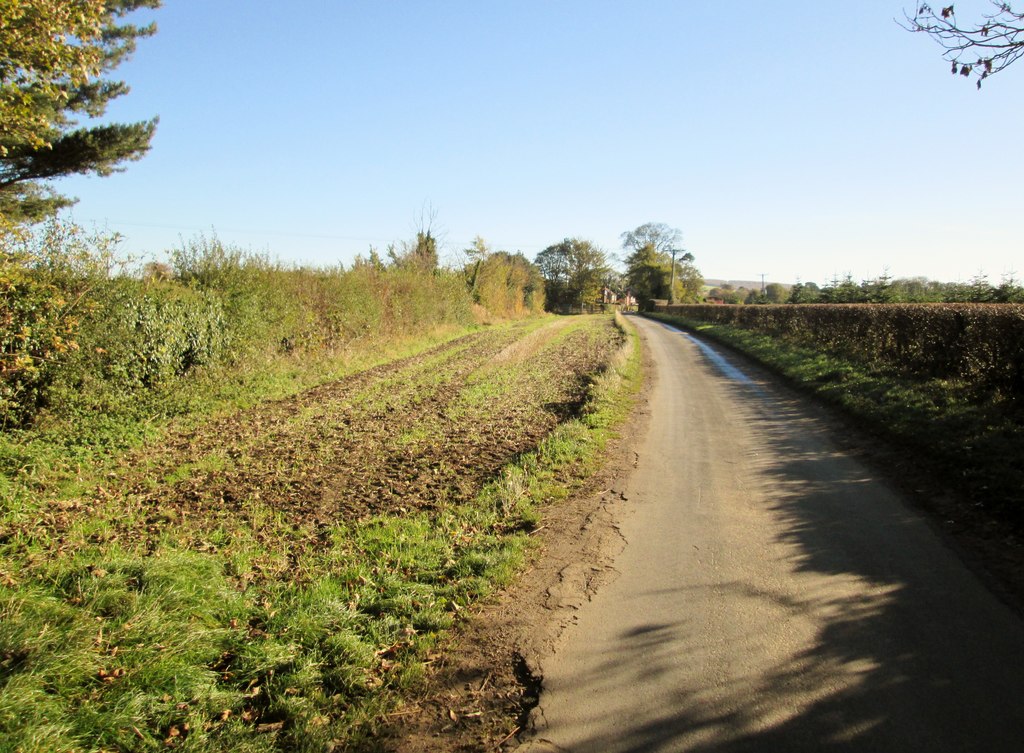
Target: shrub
{"points": [[506, 285], [145, 333], [35, 331], [45, 284], [80, 335]]}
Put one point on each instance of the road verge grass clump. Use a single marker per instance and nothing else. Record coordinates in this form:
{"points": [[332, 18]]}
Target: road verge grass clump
{"points": [[969, 435], [260, 583]]}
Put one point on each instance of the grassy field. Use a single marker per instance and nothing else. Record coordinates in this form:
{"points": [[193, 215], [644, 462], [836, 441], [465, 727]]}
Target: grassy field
{"points": [[274, 576]]}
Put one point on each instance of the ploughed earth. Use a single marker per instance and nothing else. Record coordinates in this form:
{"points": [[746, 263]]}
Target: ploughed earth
{"points": [[259, 580], [415, 434]]}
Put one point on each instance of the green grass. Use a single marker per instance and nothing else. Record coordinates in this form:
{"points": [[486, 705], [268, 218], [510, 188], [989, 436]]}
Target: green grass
{"points": [[246, 639], [972, 440]]}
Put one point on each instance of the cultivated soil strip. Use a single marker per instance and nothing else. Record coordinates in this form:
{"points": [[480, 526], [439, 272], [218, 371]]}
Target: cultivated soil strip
{"points": [[418, 433], [273, 554]]}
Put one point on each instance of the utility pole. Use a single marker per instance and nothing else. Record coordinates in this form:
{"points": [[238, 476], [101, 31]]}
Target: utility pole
{"points": [[763, 274], [672, 284]]}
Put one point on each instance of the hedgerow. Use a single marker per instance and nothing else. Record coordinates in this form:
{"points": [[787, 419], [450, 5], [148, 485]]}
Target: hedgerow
{"points": [[81, 332], [979, 344]]}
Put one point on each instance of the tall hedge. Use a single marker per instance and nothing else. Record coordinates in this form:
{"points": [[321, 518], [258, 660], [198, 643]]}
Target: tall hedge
{"points": [[979, 343], [73, 323]]}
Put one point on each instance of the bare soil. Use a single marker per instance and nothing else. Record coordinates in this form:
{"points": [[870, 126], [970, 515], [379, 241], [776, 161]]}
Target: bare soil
{"points": [[407, 435]]}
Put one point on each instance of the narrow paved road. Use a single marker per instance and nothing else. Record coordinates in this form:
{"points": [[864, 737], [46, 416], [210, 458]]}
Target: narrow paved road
{"points": [[774, 596]]}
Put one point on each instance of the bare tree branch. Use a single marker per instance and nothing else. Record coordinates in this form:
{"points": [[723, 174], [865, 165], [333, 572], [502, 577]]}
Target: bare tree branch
{"points": [[981, 49]]}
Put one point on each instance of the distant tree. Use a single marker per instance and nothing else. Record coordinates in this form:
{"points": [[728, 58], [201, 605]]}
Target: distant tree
{"points": [[649, 272], [421, 253], [775, 292], [725, 293], [914, 290], [982, 48], [689, 280], [804, 292], [573, 272], [657, 234], [424, 252], [615, 281], [54, 55], [553, 263], [478, 249], [476, 253], [879, 290], [374, 261], [979, 290], [649, 275], [1009, 291], [883, 289], [503, 283], [843, 291], [953, 292], [527, 276], [156, 271]]}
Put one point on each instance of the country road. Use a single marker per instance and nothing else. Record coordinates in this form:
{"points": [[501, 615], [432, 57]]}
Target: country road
{"points": [[774, 595]]}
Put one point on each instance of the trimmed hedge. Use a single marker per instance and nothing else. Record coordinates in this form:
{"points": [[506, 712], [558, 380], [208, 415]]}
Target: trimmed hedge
{"points": [[982, 344]]}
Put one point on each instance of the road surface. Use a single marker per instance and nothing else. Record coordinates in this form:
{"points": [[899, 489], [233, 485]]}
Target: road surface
{"points": [[774, 595]]}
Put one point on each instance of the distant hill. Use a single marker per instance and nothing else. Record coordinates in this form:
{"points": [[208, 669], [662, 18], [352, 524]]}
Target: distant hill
{"points": [[748, 284]]}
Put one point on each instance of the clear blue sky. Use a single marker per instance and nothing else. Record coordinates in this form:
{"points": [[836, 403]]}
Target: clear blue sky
{"points": [[796, 139]]}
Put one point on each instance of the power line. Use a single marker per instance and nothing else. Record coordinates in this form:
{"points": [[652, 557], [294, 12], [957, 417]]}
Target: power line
{"points": [[286, 234]]}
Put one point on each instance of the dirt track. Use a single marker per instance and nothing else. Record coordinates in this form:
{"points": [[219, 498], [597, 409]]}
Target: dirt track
{"points": [[312, 548]]}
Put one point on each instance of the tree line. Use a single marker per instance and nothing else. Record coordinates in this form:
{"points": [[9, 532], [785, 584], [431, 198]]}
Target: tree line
{"points": [[577, 273], [884, 289]]}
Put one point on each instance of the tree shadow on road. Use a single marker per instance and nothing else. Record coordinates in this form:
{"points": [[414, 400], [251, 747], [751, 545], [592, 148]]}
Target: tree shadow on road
{"points": [[909, 653]]}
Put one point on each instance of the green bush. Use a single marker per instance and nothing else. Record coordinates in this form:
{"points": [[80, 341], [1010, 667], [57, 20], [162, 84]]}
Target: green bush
{"points": [[147, 333], [35, 331], [45, 284]]}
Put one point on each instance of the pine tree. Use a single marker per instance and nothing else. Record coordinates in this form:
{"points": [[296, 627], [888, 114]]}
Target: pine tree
{"points": [[54, 57]]}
